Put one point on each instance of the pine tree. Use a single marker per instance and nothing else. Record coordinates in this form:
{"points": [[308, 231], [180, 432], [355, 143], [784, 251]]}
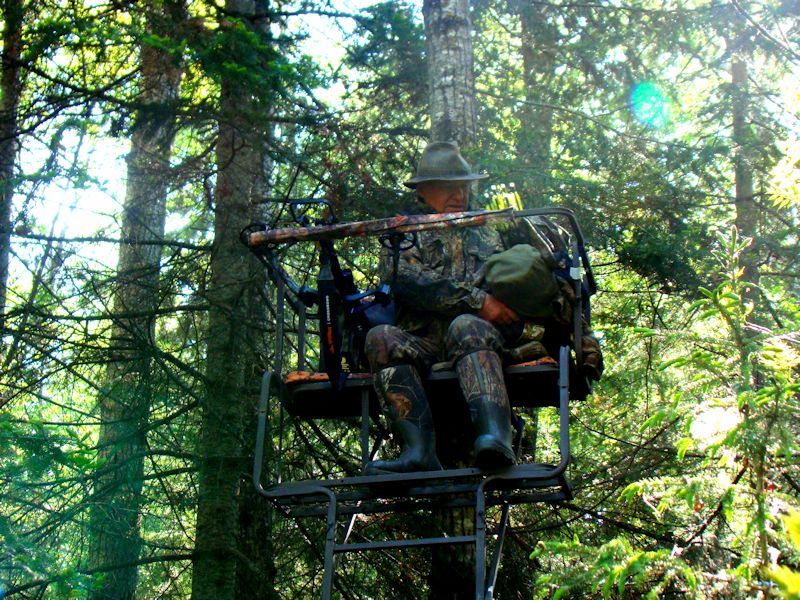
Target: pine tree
{"points": [[10, 90], [232, 294], [124, 404]]}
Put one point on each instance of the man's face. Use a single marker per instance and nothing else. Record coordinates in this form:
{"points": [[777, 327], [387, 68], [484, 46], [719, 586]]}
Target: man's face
{"points": [[444, 196]]}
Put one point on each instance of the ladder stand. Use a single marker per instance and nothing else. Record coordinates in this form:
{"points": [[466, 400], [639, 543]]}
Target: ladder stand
{"points": [[530, 385], [334, 499]]}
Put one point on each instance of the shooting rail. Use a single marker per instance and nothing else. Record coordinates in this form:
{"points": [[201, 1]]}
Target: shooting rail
{"points": [[399, 224]]}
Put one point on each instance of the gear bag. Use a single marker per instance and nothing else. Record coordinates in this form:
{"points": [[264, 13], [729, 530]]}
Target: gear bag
{"points": [[523, 279]]}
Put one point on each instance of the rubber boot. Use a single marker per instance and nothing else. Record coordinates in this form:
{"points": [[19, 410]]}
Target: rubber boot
{"points": [[481, 377], [403, 400]]}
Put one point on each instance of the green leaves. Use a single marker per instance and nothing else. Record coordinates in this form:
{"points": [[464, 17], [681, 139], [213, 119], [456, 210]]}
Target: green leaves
{"points": [[788, 579], [644, 332], [632, 490], [613, 570], [654, 420], [682, 446]]}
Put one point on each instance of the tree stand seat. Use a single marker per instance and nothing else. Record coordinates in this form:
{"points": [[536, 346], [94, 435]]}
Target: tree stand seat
{"points": [[309, 395]]}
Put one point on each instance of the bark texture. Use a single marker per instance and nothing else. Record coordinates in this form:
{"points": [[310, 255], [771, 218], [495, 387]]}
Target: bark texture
{"points": [[124, 404], [225, 565], [451, 79], [538, 43], [10, 87], [747, 211]]}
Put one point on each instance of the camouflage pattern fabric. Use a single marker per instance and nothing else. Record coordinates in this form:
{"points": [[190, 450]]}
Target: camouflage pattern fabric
{"points": [[480, 375], [543, 235], [592, 363], [397, 357], [401, 223], [439, 287], [402, 396], [442, 276], [389, 345], [439, 283]]}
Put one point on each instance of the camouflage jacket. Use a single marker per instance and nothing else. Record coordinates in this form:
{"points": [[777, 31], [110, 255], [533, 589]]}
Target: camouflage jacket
{"points": [[442, 276]]}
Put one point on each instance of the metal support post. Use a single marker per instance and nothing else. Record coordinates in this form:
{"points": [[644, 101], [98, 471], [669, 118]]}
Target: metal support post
{"points": [[497, 556], [365, 453], [563, 408], [330, 544], [480, 540]]}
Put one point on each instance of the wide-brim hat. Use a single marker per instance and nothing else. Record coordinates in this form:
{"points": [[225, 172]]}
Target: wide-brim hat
{"points": [[442, 161]]}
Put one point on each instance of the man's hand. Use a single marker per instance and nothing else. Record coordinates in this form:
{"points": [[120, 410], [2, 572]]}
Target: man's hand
{"points": [[495, 311]]}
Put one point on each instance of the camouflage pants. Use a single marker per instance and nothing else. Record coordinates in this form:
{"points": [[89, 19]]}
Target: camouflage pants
{"points": [[388, 345], [397, 358]]}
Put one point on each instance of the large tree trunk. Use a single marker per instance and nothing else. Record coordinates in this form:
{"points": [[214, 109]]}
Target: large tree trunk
{"points": [[124, 404], [226, 562], [255, 567], [448, 31], [229, 297], [12, 14], [534, 138]]}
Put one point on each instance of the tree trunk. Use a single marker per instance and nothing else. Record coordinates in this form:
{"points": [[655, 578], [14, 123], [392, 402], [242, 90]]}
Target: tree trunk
{"points": [[224, 563], [746, 208], [448, 31], [10, 87], [538, 41], [747, 217], [451, 81], [124, 403], [255, 569]]}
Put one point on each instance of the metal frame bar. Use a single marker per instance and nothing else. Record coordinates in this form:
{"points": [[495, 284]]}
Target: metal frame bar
{"points": [[491, 577], [330, 545], [480, 539], [365, 448], [576, 229]]}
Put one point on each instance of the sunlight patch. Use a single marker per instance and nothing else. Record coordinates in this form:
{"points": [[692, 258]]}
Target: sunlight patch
{"points": [[650, 105], [712, 424]]}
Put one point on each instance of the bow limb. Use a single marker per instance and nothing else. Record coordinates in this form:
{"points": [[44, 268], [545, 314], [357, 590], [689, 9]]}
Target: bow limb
{"points": [[400, 224]]}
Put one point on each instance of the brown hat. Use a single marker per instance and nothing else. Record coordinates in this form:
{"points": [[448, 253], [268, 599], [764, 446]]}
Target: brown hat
{"points": [[442, 161]]}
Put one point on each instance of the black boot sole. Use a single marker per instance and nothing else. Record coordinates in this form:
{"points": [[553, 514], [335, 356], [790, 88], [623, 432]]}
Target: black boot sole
{"points": [[373, 469], [492, 454]]}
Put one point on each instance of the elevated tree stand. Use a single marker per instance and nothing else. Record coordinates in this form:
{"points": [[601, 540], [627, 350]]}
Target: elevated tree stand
{"points": [[403, 492], [310, 396]]}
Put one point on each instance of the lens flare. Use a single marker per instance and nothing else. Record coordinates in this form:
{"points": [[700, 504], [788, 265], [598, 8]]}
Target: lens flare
{"points": [[650, 105]]}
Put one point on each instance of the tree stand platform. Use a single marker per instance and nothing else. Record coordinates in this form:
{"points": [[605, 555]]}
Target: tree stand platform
{"points": [[335, 499]]}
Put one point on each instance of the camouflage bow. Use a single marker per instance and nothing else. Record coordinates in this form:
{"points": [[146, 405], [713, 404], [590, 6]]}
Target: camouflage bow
{"points": [[400, 224]]}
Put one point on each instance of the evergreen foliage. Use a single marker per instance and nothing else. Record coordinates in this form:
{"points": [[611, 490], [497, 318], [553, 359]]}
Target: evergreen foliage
{"points": [[685, 459]]}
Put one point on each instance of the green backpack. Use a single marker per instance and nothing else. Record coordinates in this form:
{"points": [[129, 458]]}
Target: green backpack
{"points": [[522, 278]]}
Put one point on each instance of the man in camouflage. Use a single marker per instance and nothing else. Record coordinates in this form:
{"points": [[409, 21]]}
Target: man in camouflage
{"points": [[445, 313]]}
